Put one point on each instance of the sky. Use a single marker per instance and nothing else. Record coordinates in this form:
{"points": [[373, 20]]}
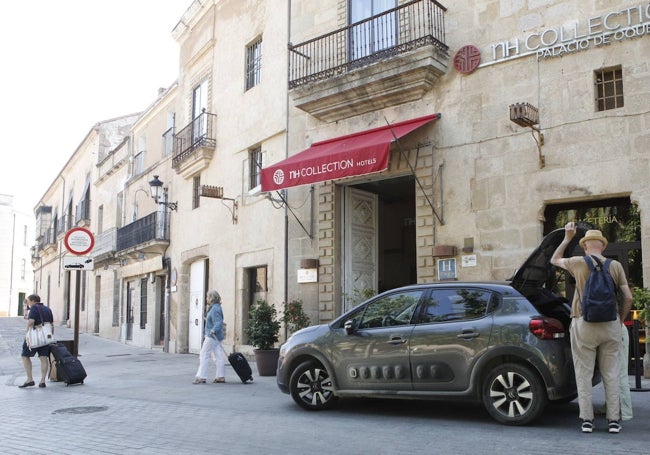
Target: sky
{"points": [[67, 65]]}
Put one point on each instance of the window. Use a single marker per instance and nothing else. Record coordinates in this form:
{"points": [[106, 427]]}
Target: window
{"points": [[168, 135], [196, 192], [116, 300], [371, 36], [138, 159], [388, 311], [609, 89], [255, 167], [456, 304], [143, 303], [253, 63], [100, 219], [199, 107], [23, 268], [255, 279], [84, 282]]}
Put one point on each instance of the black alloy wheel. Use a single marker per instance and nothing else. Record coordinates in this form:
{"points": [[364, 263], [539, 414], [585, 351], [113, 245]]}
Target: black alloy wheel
{"points": [[513, 394], [311, 387]]}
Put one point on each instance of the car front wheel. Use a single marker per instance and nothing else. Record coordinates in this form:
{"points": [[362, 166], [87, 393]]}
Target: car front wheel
{"points": [[513, 394], [311, 387]]}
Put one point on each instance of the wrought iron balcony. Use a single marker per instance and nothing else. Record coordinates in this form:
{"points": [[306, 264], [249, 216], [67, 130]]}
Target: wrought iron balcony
{"points": [[63, 225], [385, 60], [105, 245], [148, 231], [194, 145], [47, 241], [398, 30]]}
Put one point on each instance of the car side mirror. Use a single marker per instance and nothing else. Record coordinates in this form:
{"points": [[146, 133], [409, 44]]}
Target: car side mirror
{"points": [[349, 327]]}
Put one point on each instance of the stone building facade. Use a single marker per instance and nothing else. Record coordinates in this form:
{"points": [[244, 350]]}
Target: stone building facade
{"points": [[522, 115], [16, 273]]}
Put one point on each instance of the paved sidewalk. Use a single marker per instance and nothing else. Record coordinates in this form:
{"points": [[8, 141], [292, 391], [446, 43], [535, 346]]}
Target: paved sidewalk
{"points": [[142, 401], [130, 399]]}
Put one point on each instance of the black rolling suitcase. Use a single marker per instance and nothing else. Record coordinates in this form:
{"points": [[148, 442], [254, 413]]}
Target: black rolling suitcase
{"points": [[241, 366], [68, 368]]}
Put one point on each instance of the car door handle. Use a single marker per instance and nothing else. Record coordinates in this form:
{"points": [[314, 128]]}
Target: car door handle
{"points": [[467, 334], [396, 340]]}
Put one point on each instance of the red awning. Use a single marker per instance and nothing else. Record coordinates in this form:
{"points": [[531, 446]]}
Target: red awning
{"points": [[346, 156]]}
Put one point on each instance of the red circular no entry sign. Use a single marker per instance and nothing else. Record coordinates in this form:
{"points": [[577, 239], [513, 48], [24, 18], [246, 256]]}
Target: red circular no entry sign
{"points": [[79, 241]]}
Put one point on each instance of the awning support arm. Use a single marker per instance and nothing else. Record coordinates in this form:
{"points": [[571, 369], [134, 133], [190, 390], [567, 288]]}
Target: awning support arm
{"points": [[401, 150], [283, 201]]}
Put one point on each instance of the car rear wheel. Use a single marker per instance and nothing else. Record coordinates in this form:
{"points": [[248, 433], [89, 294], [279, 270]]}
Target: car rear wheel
{"points": [[311, 387], [513, 394]]}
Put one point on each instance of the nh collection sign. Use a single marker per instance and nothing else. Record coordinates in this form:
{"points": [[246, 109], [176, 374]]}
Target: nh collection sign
{"points": [[577, 35]]}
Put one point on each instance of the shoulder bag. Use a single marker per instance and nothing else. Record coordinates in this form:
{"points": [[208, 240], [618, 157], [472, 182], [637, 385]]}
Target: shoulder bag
{"points": [[40, 335]]}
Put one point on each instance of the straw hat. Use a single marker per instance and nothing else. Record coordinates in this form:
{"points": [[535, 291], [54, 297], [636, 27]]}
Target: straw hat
{"points": [[593, 234]]}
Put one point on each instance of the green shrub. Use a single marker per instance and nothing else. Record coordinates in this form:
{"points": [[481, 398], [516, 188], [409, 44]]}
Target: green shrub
{"points": [[263, 325]]}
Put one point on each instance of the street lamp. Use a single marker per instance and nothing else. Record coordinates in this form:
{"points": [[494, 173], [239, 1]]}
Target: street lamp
{"points": [[158, 192]]}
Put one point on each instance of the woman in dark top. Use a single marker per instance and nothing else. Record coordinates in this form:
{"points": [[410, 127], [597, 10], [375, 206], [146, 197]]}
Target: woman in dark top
{"points": [[38, 314]]}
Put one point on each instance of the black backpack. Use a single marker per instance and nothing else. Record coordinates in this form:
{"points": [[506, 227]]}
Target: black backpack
{"points": [[599, 299]]}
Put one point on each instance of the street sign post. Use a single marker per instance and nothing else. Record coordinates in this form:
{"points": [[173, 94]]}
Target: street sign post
{"points": [[79, 241], [78, 263]]}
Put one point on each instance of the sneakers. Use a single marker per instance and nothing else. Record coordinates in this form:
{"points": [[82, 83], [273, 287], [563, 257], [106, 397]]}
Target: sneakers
{"points": [[614, 426]]}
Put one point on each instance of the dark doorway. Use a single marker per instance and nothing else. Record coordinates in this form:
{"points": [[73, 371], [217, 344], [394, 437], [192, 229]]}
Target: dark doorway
{"points": [[617, 218], [397, 261]]}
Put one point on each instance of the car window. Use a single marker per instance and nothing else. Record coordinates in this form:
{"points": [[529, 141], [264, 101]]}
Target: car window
{"points": [[390, 310], [456, 304]]}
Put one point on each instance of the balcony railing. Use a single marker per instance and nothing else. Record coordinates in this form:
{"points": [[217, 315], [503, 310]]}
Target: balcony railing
{"points": [[409, 26], [199, 133], [64, 225], [48, 239], [153, 227], [105, 243]]}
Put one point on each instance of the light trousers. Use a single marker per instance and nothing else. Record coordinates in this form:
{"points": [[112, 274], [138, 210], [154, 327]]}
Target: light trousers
{"points": [[602, 341], [211, 349], [626, 398]]}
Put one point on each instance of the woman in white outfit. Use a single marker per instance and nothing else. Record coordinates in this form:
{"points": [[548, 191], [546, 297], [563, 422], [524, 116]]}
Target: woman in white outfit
{"points": [[211, 347]]}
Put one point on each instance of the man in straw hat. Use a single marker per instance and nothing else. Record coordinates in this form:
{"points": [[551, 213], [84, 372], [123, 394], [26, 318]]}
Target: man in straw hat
{"points": [[591, 340]]}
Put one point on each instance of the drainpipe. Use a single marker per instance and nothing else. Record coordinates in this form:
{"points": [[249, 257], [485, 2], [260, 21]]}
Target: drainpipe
{"points": [[286, 155]]}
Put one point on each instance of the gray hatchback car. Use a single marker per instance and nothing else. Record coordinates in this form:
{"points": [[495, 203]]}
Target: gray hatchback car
{"points": [[505, 344]]}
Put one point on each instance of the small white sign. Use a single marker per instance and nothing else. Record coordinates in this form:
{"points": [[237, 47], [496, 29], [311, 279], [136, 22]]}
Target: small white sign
{"points": [[468, 260], [307, 275], [78, 263]]}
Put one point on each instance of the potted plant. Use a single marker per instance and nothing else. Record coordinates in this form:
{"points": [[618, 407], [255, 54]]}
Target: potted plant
{"points": [[294, 316], [262, 331]]}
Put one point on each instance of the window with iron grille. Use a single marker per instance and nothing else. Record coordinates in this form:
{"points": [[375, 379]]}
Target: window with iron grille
{"points": [[116, 300], [254, 63], [255, 167], [196, 192], [609, 88], [143, 303], [168, 135]]}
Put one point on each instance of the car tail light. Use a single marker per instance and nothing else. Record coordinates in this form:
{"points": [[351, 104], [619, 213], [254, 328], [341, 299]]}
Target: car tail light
{"points": [[546, 328]]}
